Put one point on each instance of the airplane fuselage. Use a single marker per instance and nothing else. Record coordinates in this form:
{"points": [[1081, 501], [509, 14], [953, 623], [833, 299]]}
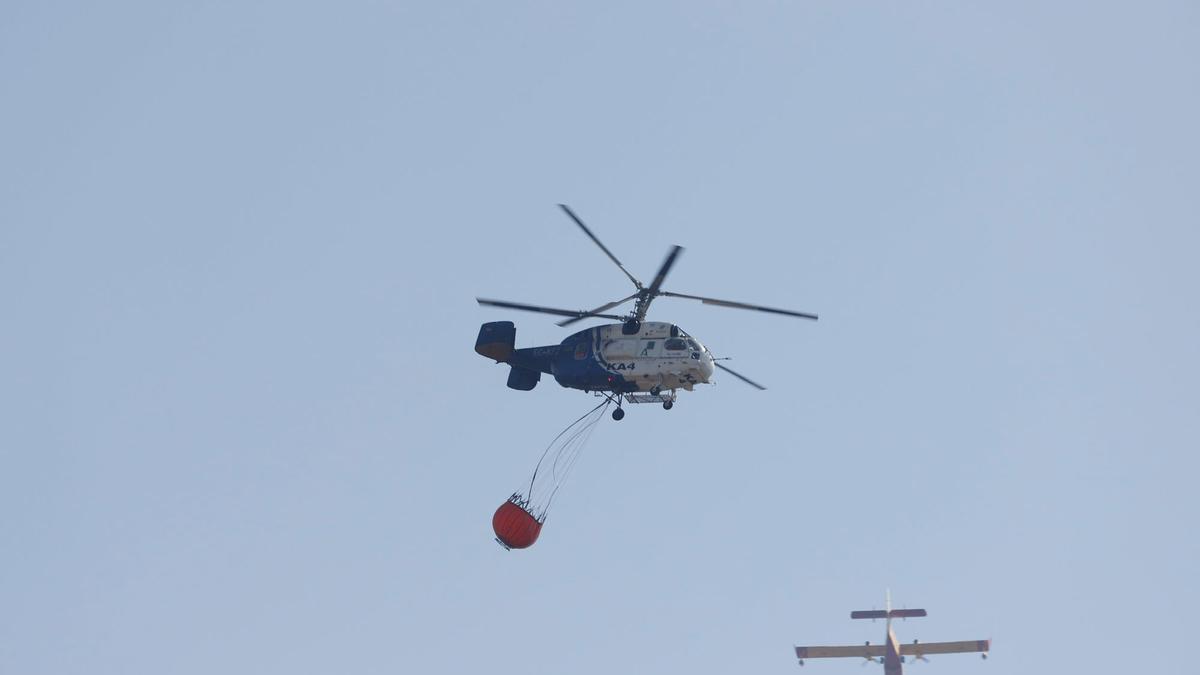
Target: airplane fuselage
{"points": [[892, 663]]}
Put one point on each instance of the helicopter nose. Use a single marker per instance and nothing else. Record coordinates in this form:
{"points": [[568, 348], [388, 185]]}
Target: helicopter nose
{"points": [[706, 365]]}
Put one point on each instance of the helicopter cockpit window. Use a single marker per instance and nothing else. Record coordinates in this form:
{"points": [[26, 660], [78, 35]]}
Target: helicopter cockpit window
{"points": [[695, 347], [676, 345]]}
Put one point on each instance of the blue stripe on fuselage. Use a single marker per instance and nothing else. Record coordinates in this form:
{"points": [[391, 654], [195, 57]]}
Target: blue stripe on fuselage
{"points": [[588, 372]]}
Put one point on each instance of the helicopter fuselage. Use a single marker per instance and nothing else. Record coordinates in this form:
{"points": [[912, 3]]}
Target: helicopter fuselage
{"points": [[658, 356]]}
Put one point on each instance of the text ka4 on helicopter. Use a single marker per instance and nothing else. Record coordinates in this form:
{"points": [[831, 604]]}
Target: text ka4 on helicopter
{"points": [[637, 361]]}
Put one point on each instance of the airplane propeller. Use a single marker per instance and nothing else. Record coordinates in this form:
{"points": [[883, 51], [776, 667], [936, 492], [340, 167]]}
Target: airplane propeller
{"points": [[869, 659], [919, 657]]}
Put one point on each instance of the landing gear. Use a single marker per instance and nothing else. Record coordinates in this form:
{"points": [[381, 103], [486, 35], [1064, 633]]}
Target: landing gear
{"points": [[616, 398]]}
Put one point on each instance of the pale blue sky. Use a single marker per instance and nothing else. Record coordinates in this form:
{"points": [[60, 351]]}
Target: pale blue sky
{"points": [[242, 428]]}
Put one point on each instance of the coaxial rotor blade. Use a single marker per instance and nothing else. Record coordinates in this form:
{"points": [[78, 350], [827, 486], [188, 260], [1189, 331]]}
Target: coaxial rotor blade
{"points": [[578, 314], [601, 308], [652, 291], [668, 263], [740, 305], [604, 248], [741, 377]]}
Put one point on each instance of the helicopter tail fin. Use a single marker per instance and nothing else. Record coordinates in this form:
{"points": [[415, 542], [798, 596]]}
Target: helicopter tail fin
{"points": [[496, 340]]}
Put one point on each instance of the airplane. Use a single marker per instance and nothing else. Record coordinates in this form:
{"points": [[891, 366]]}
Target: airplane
{"points": [[892, 654], [634, 361]]}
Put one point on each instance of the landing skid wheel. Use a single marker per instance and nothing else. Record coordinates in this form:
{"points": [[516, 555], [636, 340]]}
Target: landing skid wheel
{"points": [[618, 414], [655, 391], [667, 405]]}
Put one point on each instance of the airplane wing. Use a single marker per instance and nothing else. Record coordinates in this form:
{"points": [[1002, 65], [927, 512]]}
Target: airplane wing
{"points": [[861, 651], [923, 648]]}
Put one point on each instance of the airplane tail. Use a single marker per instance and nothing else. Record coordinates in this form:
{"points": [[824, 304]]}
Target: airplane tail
{"points": [[887, 613]]}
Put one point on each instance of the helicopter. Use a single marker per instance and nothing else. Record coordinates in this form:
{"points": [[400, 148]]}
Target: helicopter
{"points": [[634, 361]]}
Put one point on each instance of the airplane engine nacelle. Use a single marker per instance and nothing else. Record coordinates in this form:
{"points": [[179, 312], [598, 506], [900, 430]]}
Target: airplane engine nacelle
{"points": [[523, 379]]}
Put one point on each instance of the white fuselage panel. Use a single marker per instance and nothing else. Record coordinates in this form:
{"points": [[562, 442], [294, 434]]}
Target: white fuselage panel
{"points": [[654, 358]]}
